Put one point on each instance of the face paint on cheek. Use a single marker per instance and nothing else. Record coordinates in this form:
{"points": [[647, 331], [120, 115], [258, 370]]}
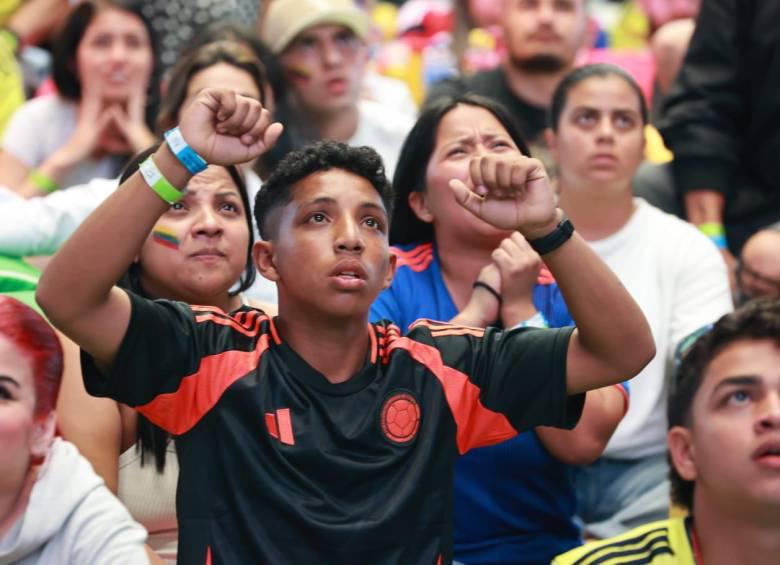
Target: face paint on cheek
{"points": [[300, 74], [166, 237]]}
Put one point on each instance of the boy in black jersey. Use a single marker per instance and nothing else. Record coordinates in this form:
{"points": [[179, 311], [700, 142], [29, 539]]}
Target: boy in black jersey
{"points": [[314, 436]]}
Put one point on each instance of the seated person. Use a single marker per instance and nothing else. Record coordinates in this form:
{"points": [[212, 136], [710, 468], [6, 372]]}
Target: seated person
{"points": [[673, 271], [454, 266], [53, 507], [758, 268], [323, 52], [724, 446], [105, 102], [39, 226], [328, 436]]}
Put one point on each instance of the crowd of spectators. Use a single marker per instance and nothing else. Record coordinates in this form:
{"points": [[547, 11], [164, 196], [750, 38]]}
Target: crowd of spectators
{"points": [[544, 211]]}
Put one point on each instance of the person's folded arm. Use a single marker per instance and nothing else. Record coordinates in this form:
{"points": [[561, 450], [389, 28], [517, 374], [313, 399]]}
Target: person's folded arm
{"points": [[604, 409]]}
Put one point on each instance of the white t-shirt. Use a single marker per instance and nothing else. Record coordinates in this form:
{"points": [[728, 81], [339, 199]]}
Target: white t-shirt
{"points": [[43, 125], [384, 129], [679, 279]]}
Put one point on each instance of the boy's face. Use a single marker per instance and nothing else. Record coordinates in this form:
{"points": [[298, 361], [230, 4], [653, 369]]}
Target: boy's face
{"points": [[732, 448], [330, 254], [324, 65]]}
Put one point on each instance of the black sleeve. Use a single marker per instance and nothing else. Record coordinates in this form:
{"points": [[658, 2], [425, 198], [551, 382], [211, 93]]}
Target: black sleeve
{"points": [[519, 373], [160, 347], [704, 113]]}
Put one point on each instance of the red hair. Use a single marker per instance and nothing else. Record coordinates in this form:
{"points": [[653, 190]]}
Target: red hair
{"points": [[33, 335]]}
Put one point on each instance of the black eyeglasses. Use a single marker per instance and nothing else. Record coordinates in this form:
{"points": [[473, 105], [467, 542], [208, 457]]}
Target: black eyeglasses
{"points": [[743, 269]]}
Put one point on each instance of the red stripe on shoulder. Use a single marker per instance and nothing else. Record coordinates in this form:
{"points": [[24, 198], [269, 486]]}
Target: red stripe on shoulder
{"points": [[477, 425], [416, 259], [441, 329], [177, 412], [248, 329], [413, 252], [545, 276]]}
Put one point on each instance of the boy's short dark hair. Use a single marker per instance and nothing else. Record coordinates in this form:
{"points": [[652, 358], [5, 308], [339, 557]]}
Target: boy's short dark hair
{"points": [[756, 320], [320, 156]]}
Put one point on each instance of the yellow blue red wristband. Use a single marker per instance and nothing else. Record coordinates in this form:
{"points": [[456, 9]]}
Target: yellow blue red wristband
{"points": [[158, 183], [193, 162]]}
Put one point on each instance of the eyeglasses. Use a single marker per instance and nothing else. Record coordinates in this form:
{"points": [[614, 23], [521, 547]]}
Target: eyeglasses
{"points": [[344, 42]]}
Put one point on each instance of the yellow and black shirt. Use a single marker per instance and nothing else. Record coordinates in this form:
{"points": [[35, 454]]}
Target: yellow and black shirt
{"points": [[667, 542]]}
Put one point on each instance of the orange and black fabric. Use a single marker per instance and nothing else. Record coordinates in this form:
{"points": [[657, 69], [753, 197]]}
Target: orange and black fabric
{"points": [[278, 465]]}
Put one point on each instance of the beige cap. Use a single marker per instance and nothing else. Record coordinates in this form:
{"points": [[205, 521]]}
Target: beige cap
{"points": [[285, 19]]}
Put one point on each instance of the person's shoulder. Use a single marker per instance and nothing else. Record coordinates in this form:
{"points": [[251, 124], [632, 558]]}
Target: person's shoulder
{"points": [[413, 257], [482, 79], [675, 231], [384, 118], [49, 106], [662, 542]]}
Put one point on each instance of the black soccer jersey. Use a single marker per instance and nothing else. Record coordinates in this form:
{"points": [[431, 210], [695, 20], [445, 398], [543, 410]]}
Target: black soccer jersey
{"points": [[278, 465]]}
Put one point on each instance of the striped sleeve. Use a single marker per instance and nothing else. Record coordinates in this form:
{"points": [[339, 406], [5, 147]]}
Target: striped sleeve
{"points": [[175, 361], [499, 383], [658, 543]]}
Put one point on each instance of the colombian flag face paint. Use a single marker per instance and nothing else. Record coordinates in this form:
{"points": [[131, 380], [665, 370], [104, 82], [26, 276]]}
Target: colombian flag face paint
{"points": [[166, 237], [299, 73]]}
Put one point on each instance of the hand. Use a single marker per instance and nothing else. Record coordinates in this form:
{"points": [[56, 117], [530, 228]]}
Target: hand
{"points": [[519, 266], [92, 120], [226, 128], [483, 308], [510, 193], [130, 124]]}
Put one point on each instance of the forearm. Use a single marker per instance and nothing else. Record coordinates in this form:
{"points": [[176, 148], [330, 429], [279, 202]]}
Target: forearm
{"points": [[603, 411], [704, 206], [109, 238], [613, 341], [35, 19]]}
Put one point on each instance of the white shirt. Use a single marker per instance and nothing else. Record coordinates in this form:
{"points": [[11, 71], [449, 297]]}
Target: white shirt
{"points": [[384, 129], [679, 279], [43, 125]]}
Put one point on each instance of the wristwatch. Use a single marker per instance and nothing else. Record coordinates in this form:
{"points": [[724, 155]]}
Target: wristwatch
{"points": [[554, 239]]}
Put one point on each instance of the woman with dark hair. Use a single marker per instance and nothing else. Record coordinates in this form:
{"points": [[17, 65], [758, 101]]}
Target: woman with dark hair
{"points": [[53, 507], [199, 252], [514, 502], [104, 70], [39, 226], [676, 275], [136, 458]]}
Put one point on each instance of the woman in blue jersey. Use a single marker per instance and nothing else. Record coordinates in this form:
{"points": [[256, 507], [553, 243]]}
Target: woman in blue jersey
{"points": [[514, 502]]}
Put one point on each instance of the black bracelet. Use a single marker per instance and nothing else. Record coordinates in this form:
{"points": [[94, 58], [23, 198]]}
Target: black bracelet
{"points": [[554, 239], [490, 289]]}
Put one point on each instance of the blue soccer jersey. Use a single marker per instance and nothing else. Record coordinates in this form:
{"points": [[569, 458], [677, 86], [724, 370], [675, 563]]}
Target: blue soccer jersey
{"points": [[514, 503]]}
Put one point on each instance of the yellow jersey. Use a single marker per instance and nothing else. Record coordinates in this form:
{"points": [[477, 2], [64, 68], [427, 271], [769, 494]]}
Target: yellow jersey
{"points": [[660, 543]]}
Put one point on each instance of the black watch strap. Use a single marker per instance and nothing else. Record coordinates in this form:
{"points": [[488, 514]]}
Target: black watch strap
{"points": [[554, 239]]}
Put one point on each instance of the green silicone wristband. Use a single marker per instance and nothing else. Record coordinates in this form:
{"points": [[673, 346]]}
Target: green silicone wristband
{"points": [[158, 183], [42, 181]]}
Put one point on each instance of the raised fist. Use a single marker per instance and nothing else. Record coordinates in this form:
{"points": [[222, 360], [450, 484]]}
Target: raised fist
{"points": [[226, 128]]}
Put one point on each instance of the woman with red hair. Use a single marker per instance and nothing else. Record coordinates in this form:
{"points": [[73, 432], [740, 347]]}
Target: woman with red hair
{"points": [[53, 507]]}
